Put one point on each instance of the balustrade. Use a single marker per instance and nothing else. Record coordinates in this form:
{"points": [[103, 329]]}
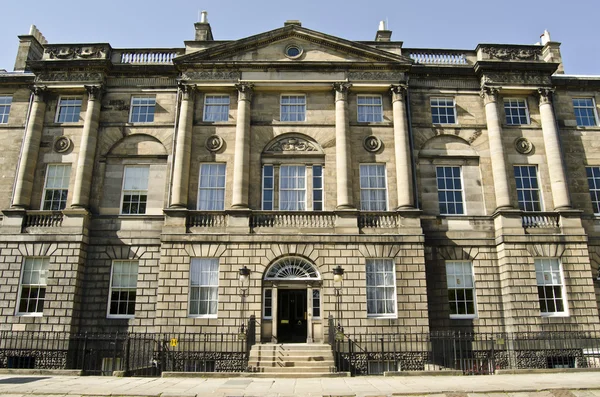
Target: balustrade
{"points": [[540, 220], [206, 219], [378, 220], [147, 56], [439, 58], [43, 219], [292, 219]]}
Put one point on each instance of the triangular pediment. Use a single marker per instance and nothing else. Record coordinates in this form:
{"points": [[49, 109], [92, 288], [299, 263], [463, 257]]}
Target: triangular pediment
{"points": [[271, 47]]}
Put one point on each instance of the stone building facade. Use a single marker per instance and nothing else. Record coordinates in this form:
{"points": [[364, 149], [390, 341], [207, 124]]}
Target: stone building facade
{"points": [[457, 189]]}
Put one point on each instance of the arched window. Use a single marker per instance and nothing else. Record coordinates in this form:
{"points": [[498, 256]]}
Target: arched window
{"points": [[292, 268]]}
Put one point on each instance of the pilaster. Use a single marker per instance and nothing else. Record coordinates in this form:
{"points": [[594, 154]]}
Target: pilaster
{"points": [[554, 158], [87, 150], [242, 148], [183, 148], [402, 148], [501, 188], [31, 148], [343, 160]]}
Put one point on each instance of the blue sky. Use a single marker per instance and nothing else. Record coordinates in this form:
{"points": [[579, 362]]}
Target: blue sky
{"points": [[458, 24]]}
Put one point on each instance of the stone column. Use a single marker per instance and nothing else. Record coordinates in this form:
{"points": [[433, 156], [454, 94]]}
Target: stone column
{"points": [[31, 148], [501, 188], [241, 161], [556, 168], [87, 149], [402, 148], [342, 150], [183, 148]]}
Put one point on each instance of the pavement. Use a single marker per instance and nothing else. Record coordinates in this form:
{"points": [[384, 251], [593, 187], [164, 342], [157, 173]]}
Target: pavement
{"points": [[563, 384]]}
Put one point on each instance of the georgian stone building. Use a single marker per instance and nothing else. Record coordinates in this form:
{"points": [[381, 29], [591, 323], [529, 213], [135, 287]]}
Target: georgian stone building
{"points": [[457, 189]]}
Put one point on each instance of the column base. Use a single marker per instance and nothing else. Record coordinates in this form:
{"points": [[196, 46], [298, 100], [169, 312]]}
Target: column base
{"points": [[342, 207]]}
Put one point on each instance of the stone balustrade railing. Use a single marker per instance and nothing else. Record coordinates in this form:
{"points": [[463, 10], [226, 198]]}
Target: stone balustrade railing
{"points": [[206, 219], [146, 56], [441, 57], [379, 220], [540, 220], [285, 219], [43, 219]]}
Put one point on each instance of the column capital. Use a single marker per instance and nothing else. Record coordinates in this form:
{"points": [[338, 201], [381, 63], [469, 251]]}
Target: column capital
{"points": [[187, 90], [341, 91], [545, 95], [94, 91], [244, 91], [398, 92], [489, 94], [38, 92]]}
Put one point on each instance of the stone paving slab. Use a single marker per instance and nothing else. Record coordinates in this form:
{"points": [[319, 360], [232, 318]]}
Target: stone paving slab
{"points": [[580, 384]]}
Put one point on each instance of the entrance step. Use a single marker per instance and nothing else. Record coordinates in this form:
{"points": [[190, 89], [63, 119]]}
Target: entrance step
{"points": [[292, 359]]}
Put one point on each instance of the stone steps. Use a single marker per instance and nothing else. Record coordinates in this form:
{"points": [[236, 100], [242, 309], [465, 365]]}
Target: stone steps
{"points": [[292, 359]]}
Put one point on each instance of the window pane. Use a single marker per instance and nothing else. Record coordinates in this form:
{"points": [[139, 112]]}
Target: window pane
{"points": [[527, 188], [381, 282], [204, 277], [450, 196]]}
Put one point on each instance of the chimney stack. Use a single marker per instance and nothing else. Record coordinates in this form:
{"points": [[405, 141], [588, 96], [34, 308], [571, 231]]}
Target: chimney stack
{"points": [[30, 48], [203, 30], [382, 33]]}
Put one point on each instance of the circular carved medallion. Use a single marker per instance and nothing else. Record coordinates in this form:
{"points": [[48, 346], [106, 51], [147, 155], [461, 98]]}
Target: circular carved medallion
{"points": [[372, 144], [62, 144], [214, 143], [523, 145]]}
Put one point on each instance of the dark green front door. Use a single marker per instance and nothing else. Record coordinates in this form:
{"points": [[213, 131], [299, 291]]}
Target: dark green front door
{"points": [[291, 315]]}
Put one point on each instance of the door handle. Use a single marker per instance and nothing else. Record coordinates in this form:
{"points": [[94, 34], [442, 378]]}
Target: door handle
{"points": [[305, 315]]}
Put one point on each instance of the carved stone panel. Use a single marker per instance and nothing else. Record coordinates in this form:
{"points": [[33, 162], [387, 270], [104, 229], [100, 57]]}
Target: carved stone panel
{"points": [[517, 78], [513, 53]]}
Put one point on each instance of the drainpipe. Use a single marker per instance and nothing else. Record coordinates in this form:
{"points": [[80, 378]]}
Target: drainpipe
{"points": [[411, 145]]}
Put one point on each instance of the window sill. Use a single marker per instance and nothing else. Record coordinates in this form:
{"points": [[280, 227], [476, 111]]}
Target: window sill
{"points": [[555, 314], [202, 316], [120, 317], [463, 317], [382, 316], [29, 314]]}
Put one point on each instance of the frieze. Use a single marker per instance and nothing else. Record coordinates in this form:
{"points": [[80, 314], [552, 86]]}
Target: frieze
{"points": [[292, 144], [211, 75], [519, 54], [77, 52], [387, 76], [69, 76], [526, 78]]}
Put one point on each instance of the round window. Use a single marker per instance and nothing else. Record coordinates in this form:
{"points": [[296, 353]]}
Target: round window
{"points": [[293, 51]]}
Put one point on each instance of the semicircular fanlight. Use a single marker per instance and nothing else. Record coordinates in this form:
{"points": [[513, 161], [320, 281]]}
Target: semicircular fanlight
{"points": [[292, 268]]}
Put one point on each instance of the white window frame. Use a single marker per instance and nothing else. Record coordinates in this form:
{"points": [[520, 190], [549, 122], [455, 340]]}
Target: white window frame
{"points": [[271, 189], [222, 116], [43, 272], [432, 106], [594, 109], [517, 102], [5, 105], [214, 189], [127, 288], [446, 190], [375, 109], [321, 189], [60, 106], [459, 281], [66, 177], [265, 306], [300, 203], [320, 306], [539, 190], [209, 314], [367, 189], [132, 106], [594, 186], [282, 105], [123, 190], [386, 314], [541, 277]]}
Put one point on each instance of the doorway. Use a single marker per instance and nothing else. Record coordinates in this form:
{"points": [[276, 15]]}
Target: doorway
{"points": [[291, 316]]}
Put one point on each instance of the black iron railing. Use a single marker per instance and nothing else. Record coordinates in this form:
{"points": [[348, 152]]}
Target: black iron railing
{"points": [[136, 354], [469, 353]]}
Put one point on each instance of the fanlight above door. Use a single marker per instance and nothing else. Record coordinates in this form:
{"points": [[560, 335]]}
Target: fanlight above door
{"points": [[292, 268]]}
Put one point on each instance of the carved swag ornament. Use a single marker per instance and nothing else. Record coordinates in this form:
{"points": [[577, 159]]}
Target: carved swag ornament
{"points": [[507, 53], [77, 52], [292, 144]]}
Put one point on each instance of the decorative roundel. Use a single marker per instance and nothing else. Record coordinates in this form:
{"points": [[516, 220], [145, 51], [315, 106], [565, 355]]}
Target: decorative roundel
{"points": [[372, 144], [523, 145], [293, 51], [214, 143], [62, 144]]}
